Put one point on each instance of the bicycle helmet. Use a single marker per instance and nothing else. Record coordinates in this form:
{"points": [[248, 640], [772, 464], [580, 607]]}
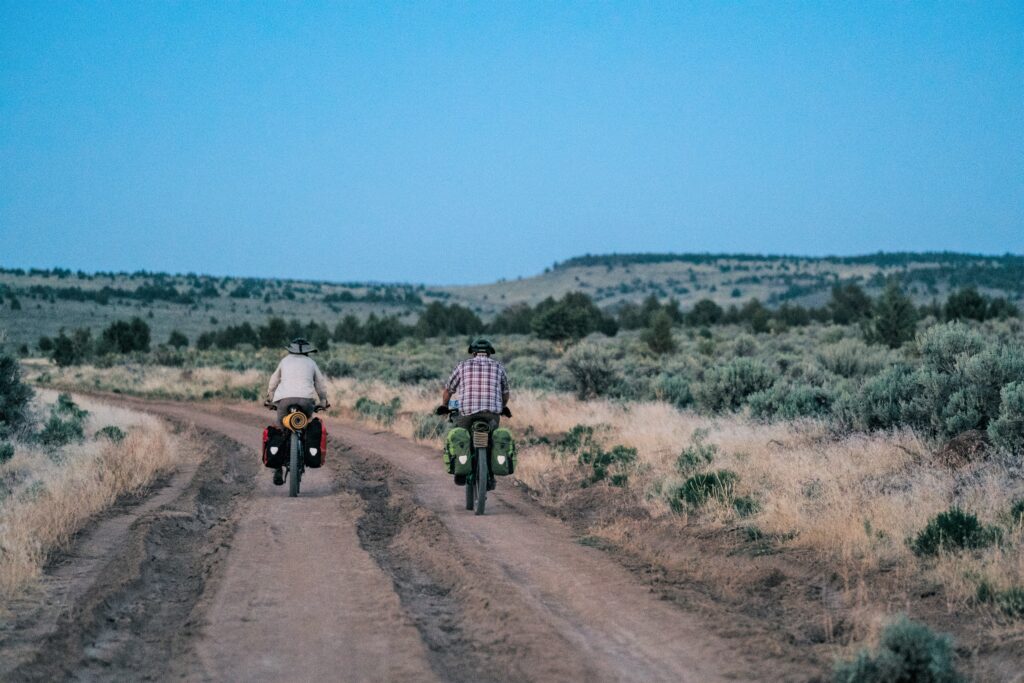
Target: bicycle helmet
{"points": [[301, 345], [482, 345]]}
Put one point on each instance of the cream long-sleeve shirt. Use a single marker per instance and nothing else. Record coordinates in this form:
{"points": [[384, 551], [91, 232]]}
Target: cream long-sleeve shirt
{"points": [[297, 376]]}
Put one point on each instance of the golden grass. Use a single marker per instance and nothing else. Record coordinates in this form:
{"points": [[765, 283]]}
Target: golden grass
{"points": [[152, 381], [855, 501], [54, 492]]}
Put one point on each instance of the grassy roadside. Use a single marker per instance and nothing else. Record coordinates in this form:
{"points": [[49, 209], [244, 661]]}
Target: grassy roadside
{"points": [[809, 538], [808, 535], [87, 456]]}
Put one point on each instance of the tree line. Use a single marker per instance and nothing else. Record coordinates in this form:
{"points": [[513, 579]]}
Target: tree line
{"points": [[889, 319]]}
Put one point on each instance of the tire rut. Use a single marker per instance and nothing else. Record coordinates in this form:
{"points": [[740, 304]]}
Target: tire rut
{"points": [[136, 621], [453, 601], [433, 607]]}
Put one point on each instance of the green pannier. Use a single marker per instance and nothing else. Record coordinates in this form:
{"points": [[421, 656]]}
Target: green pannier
{"points": [[503, 452], [456, 452]]}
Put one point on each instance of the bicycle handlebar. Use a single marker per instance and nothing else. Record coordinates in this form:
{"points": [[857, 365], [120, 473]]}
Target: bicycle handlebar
{"points": [[316, 409]]}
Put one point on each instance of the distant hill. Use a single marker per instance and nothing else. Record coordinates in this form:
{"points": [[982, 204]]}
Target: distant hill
{"points": [[733, 278], [38, 302]]}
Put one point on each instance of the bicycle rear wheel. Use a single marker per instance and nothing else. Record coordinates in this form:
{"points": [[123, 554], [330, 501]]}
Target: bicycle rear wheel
{"points": [[295, 471], [481, 480]]}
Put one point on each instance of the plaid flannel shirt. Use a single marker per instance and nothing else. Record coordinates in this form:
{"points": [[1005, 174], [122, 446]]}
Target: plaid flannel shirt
{"points": [[480, 382]]}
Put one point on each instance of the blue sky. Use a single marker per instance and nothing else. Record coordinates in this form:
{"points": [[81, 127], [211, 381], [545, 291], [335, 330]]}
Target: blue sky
{"points": [[463, 142]]}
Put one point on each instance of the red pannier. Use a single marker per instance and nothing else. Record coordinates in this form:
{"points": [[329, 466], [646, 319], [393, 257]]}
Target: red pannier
{"points": [[276, 443], [316, 443]]}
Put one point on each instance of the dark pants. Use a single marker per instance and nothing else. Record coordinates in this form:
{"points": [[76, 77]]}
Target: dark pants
{"points": [[305, 404], [466, 421]]}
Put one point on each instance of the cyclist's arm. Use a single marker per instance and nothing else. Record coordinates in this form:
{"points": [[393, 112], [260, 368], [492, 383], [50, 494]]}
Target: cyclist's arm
{"points": [[505, 394], [320, 384], [450, 387], [275, 380]]}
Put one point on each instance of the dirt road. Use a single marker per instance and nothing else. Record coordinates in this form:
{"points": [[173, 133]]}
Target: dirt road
{"points": [[376, 572]]}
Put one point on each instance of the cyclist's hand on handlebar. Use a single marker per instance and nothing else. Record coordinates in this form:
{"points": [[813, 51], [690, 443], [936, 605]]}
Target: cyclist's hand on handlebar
{"points": [[506, 412], [441, 410]]}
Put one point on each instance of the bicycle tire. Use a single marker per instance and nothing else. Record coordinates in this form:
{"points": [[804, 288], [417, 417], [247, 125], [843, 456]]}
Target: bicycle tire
{"points": [[481, 486], [295, 473]]}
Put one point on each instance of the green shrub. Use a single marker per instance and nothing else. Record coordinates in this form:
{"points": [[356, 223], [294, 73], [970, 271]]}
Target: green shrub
{"points": [[658, 336], [573, 317], [849, 304], [66, 407], [603, 463], [884, 399], [60, 432], [893, 318], [336, 367], [951, 531], [745, 506], [853, 358], [577, 439], [1010, 601], [385, 413], [705, 312], [909, 652], [942, 346], [111, 432], [177, 340], [961, 391], [966, 304], [6, 452], [697, 455], [418, 373], [700, 488], [74, 349], [726, 387], [1007, 430], [592, 371], [14, 396], [744, 345], [1017, 512], [673, 389], [791, 401], [430, 427], [168, 356], [125, 337]]}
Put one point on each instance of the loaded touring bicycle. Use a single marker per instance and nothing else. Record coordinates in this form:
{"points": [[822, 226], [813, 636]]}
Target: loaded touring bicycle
{"points": [[476, 455], [300, 441]]}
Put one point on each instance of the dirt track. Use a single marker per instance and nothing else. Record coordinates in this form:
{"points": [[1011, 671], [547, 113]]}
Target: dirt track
{"points": [[374, 573]]}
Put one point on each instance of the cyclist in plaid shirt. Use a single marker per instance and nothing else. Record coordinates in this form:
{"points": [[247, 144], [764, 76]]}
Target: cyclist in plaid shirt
{"points": [[482, 386]]}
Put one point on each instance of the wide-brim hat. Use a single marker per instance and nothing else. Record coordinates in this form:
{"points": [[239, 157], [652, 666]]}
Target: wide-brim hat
{"points": [[300, 346]]}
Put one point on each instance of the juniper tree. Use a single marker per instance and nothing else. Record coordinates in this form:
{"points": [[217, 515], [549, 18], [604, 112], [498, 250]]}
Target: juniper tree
{"points": [[894, 319]]}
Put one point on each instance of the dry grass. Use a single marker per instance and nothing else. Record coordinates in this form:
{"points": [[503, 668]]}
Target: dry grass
{"points": [[152, 381], [52, 493], [853, 501]]}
